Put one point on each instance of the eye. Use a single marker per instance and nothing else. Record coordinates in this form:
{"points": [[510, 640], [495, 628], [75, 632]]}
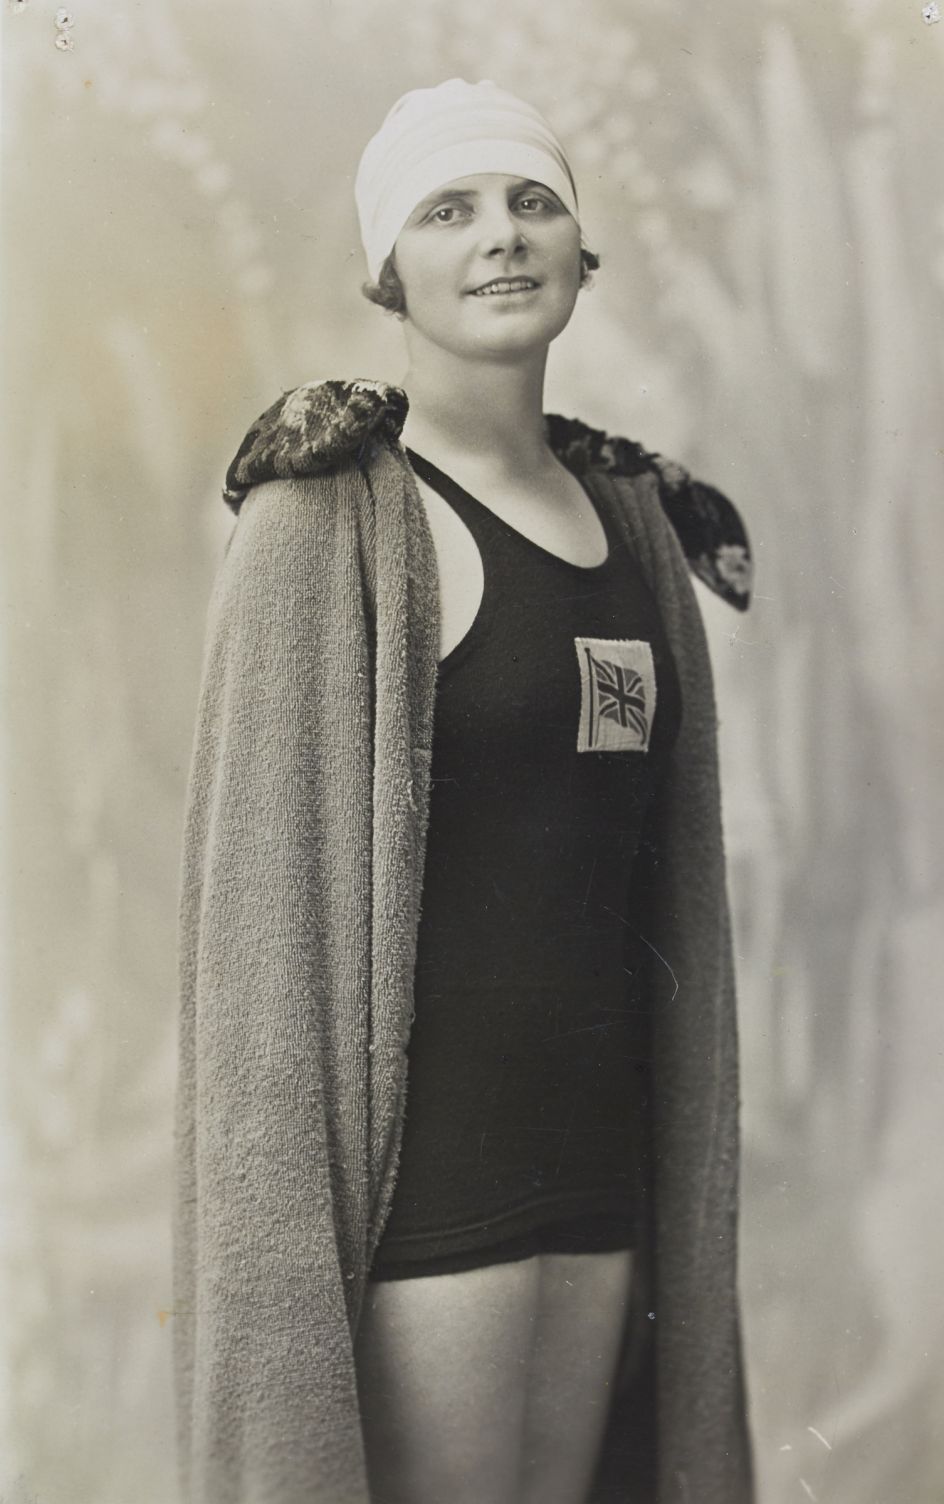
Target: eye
{"points": [[445, 209], [536, 200]]}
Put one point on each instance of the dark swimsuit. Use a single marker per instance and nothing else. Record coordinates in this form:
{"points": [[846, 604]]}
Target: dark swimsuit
{"points": [[527, 1069]]}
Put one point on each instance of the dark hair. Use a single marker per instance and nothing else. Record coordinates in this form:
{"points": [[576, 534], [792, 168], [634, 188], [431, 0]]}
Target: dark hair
{"points": [[387, 291]]}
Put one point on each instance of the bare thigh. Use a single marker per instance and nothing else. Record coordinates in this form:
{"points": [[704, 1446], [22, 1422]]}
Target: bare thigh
{"points": [[491, 1386], [583, 1302], [442, 1365]]}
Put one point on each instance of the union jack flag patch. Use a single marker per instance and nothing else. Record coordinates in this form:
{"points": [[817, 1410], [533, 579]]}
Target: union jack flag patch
{"points": [[617, 694]]}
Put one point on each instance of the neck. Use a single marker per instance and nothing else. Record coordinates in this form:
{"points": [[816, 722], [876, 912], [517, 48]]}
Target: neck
{"points": [[470, 409]]}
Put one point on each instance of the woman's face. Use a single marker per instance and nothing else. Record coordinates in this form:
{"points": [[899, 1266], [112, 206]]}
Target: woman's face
{"points": [[489, 228]]}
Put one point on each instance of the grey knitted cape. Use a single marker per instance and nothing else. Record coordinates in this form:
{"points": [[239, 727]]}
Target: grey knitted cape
{"points": [[301, 887]]}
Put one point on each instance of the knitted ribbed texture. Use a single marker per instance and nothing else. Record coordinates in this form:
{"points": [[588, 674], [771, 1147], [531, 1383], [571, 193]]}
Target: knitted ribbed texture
{"points": [[302, 873]]}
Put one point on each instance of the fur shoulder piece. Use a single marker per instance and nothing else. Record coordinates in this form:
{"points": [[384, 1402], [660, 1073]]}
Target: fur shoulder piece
{"points": [[323, 424]]}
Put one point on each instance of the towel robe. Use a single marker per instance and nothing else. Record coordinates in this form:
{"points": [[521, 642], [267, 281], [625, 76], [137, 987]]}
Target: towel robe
{"points": [[301, 882]]}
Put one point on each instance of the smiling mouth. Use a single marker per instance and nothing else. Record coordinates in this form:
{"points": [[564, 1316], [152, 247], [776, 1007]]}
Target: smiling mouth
{"points": [[502, 286]]}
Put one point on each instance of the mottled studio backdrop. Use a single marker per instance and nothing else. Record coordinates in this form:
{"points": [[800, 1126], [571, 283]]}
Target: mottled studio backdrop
{"points": [[764, 183]]}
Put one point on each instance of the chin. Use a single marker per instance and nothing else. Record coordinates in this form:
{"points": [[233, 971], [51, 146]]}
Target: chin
{"points": [[517, 332]]}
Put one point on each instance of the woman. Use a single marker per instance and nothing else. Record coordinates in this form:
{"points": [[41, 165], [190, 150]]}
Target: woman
{"points": [[457, 1104]]}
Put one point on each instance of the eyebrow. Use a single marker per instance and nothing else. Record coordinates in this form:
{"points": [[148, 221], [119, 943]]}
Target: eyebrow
{"points": [[445, 195]]}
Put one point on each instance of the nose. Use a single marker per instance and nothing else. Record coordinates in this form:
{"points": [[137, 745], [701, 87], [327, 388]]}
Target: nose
{"points": [[501, 232]]}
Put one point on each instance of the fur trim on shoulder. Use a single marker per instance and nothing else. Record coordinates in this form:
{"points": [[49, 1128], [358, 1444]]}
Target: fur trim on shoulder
{"points": [[323, 424]]}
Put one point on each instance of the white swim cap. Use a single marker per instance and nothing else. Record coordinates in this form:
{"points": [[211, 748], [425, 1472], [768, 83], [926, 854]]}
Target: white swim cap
{"points": [[432, 136]]}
